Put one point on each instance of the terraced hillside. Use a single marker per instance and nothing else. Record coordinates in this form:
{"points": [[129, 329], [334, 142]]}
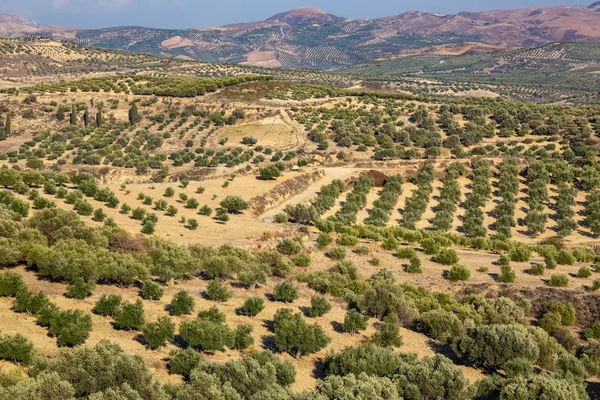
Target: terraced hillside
{"points": [[36, 60], [311, 38], [547, 73]]}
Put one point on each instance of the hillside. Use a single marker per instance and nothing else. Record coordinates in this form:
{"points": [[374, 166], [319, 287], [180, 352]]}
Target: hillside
{"points": [[312, 38], [196, 228], [172, 229], [29, 61], [535, 74]]}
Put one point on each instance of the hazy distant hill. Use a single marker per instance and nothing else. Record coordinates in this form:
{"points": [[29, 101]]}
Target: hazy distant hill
{"points": [[312, 38]]}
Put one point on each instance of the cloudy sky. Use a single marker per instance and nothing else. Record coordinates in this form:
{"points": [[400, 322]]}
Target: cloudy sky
{"points": [[202, 13]]}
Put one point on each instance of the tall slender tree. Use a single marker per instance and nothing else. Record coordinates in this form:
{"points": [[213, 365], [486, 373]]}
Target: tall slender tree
{"points": [[7, 126], [99, 115], [73, 118], [86, 117], [134, 116]]}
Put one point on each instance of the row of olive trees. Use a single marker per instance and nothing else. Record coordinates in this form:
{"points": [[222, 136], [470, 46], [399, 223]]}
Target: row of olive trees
{"points": [[385, 204], [416, 205], [450, 195]]}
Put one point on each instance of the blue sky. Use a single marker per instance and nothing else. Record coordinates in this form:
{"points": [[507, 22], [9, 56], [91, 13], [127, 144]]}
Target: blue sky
{"points": [[202, 13]]}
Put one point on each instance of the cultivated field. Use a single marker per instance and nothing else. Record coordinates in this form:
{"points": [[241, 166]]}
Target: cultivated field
{"points": [[180, 216]]}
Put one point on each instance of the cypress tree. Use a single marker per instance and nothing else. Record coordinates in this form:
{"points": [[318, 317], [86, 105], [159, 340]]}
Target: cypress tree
{"points": [[134, 116], [99, 116], [86, 117], [60, 114], [73, 118], [7, 126]]}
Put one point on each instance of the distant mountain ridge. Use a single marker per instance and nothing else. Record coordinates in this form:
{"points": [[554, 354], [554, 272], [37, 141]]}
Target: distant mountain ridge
{"points": [[312, 38]]}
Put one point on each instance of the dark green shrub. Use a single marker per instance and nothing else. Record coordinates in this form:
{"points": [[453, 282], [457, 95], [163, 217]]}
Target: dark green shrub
{"points": [[182, 303], [592, 332], [565, 258], [295, 336], [80, 289], [216, 291], [507, 275], [390, 244], [234, 204], [442, 325], [567, 312], [584, 272], [151, 290], [416, 378], [319, 306], [130, 317], [285, 292], [252, 307], [504, 260], [354, 322], [289, 247], [16, 348], [11, 284], [519, 253], [108, 306], [324, 240], [213, 314], [71, 327], [414, 265], [406, 253], [493, 346], [148, 227], [302, 260], [183, 361], [446, 257], [281, 218], [337, 253], [389, 332], [158, 333], [458, 273], [550, 262], [583, 254], [206, 335], [347, 240], [558, 280], [430, 246], [242, 337], [537, 269]]}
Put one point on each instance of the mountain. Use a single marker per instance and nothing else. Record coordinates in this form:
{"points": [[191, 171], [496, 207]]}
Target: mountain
{"points": [[17, 20], [305, 16], [312, 38]]}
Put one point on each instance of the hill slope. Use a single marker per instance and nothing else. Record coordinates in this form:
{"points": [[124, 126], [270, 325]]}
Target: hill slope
{"points": [[312, 38], [547, 72]]}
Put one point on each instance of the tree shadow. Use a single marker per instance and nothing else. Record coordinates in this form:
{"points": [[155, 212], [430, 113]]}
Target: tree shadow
{"points": [[320, 370], [337, 327], [141, 340], [305, 311], [268, 342], [593, 389], [179, 342]]}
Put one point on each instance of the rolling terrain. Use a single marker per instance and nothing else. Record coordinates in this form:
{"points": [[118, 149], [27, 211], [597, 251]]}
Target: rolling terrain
{"points": [[311, 38], [173, 229]]}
